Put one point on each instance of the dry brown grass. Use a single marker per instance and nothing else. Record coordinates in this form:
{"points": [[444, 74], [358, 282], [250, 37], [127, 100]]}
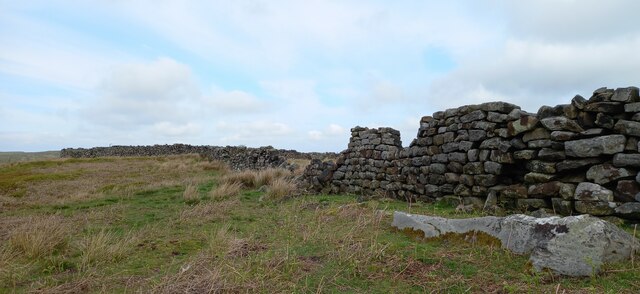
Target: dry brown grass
{"points": [[103, 247], [40, 236], [100, 177], [245, 178], [191, 194], [214, 165], [225, 190], [208, 211], [280, 188]]}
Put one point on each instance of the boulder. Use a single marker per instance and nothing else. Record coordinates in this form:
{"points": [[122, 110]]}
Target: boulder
{"points": [[558, 244], [593, 147]]}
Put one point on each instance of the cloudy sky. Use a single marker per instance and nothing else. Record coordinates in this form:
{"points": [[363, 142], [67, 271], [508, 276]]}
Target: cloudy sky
{"points": [[291, 74]]}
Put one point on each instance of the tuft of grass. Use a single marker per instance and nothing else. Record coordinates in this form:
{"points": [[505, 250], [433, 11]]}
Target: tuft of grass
{"points": [[280, 188], [204, 212], [103, 247], [225, 190], [267, 176], [40, 236], [191, 195]]}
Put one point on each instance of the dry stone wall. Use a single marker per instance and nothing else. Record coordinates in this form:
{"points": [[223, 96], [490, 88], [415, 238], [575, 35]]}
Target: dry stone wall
{"points": [[237, 157], [575, 158]]}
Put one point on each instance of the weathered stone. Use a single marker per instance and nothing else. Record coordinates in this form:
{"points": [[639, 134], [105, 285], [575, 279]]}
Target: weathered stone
{"points": [[575, 178], [452, 178], [536, 134], [595, 146], [563, 135], [525, 154], [551, 155], [561, 123], [601, 94], [626, 190], [499, 106], [579, 102], [517, 144], [567, 191], [514, 191], [593, 132], [536, 144], [558, 244], [629, 94], [547, 111], [592, 192], [605, 121], [483, 125], [545, 190], [497, 117], [627, 127], [561, 206], [477, 135], [572, 164], [462, 190], [485, 180], [595, 207], [493, 168], [521, 125], [475, 202], [501, 156], [466, 180], [495, 143], [458, 157], [472, 155], [606, 107], [622, 159], [541, 166], [632, 107], [629, 210], [538, 177], [473, 168], [475, 115], [483, 155], [606, 173], [530, 204], [631, 145], [438, 168]]}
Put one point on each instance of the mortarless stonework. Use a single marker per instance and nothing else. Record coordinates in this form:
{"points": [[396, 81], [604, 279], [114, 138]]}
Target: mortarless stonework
{"points": [[494, 154]]}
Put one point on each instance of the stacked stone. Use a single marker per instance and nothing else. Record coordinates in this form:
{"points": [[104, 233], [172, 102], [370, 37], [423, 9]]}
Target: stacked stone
{"points": [[237, 158], [470, 148], [583, 157], [368, 166]]}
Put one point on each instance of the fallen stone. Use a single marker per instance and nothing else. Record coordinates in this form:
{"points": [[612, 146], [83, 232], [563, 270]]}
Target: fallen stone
{"points": [[593, 147], [558, 244]]}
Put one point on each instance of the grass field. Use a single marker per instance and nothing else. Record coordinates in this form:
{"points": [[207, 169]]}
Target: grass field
{"points": [[183, 225], [8, 157]]}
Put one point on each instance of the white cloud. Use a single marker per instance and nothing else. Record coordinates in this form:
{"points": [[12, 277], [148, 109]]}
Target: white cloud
{"points": [[170, 129], [234, 101], [330, 132], [143, 94], [259, 132]]}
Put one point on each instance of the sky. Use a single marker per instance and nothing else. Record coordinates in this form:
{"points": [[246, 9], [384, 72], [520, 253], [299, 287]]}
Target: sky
{"points": [[292, 74]]}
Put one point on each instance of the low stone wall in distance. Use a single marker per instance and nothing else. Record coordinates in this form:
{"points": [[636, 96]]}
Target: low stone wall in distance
{"points": [[574, 158], [237, 157]]}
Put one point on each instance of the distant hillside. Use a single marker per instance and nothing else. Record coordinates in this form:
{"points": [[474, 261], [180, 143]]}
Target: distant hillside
{"points": [[7, 157]]}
